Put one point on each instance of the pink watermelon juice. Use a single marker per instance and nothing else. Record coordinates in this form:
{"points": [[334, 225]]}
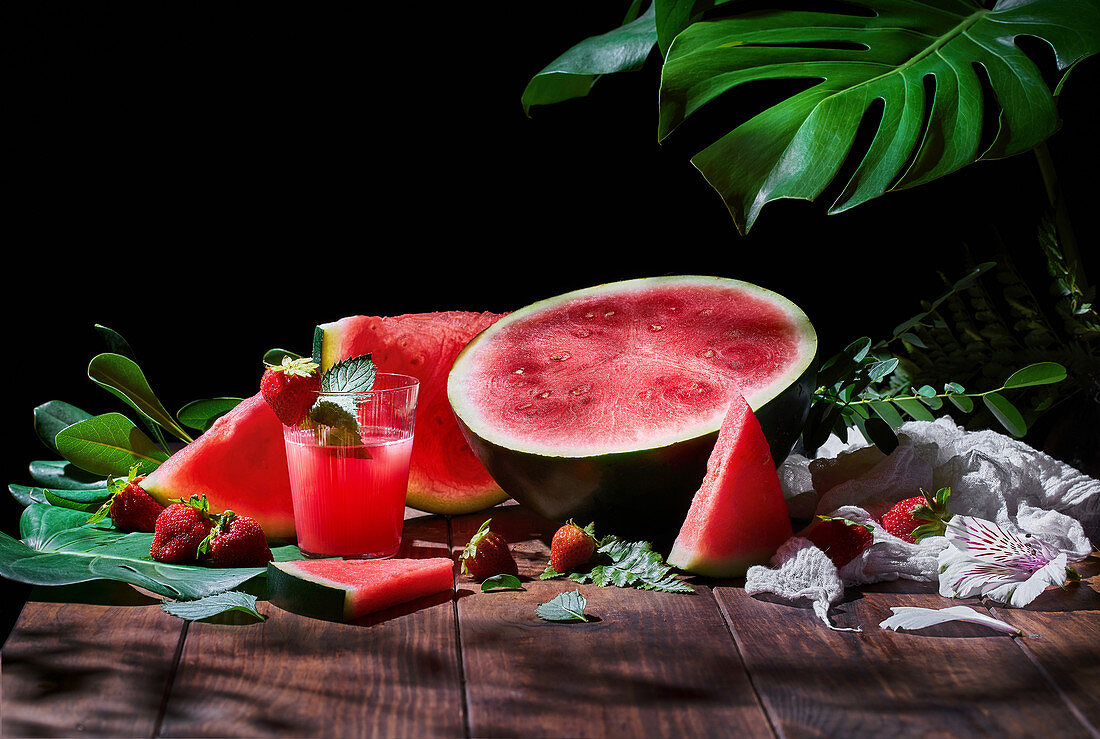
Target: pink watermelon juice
{"points": [[348, 489]]}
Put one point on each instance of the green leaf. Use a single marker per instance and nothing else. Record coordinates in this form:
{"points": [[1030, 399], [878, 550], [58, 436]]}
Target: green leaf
{"points": [[887, 413], [274, 357], [88, 501], [123, 378], [503, 581], [880, 434], [963, 402], [51, 417], [109, 444], [201, 414], [115, 342], [352, 375], [1041, 373], [850, 60], [573, 73], [914, 408], [64, 475], [565, 607], [56, 549], [26, 495], [213, 605], [631, 565], [1006, 413]]}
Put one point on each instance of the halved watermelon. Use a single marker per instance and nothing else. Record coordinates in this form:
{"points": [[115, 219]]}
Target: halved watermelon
{"points": [[345, 589], [444, 475], [604, 403], [239, 464], [738, 517]]}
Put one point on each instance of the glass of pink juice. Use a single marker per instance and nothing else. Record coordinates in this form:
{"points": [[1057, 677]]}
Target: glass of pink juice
{"points": [[348, 485]]}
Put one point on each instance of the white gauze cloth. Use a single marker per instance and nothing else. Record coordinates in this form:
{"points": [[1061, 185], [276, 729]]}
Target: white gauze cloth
{"points": [[991, 476]]}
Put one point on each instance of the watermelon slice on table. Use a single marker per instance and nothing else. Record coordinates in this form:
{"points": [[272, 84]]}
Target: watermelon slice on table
{"points": [[344, 590], [239, 464], [444, 475], [738, 517]]}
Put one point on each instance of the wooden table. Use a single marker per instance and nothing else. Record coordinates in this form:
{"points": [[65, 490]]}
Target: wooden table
{"points": [[714, 663]]}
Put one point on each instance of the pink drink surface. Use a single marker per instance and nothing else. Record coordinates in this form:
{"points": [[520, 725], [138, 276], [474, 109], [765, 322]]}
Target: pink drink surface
{"points": [[350, 501]]}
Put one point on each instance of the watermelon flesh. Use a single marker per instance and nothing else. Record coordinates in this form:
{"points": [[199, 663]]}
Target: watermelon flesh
{"points": [[444, 475], [239, 464], [738, 517], [344, 590]]}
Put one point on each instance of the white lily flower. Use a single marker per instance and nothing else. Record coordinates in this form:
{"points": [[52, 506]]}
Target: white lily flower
{"points": [[983, 559]]}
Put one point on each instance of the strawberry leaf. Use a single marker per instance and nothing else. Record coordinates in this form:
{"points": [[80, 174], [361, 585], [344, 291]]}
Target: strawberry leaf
{"points": [[503, 581]]}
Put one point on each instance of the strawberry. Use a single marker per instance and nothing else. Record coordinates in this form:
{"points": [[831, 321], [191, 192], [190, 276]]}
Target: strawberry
{"points": [[179, 530], [922, 515], [571, 547], [487, 554], [236, 541], [842, 540], [291, 388], [130, 507]]}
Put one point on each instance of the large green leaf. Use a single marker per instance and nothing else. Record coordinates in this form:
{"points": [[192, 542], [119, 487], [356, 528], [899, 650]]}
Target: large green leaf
{"points": [[123, 377], [881, 51], [57, 549], [109, 444]]}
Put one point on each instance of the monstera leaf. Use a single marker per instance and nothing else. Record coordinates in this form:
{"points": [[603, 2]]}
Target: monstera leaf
{"points": [[893, 51]]}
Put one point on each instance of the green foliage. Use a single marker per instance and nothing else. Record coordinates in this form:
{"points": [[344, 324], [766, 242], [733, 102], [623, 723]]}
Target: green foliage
{"points": [[850, 59], [627, 565]]}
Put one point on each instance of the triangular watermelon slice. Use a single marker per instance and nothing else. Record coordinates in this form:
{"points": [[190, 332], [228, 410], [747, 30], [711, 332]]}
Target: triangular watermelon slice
{"points": [[444, 475], [344, 590], [239, 464], [738, 517]]}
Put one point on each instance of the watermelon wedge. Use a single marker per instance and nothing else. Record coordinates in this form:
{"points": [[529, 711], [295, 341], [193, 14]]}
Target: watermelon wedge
{"points": [[345, 589], [239, 464], [444, 475], [738, 517]]}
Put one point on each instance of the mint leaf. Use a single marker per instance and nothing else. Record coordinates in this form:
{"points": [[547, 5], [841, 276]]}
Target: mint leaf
{"points": [[353, 375], [502, 581], [212, 605], [631, 565], [337, 412], [565, 607]]}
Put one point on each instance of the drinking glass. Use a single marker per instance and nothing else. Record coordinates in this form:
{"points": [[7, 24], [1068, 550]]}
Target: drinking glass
{"points": [[348, 487]]}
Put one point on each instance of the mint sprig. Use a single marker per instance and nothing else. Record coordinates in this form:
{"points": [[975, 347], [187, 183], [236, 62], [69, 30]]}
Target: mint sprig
{"points": [[351, 377], [565, 607]]}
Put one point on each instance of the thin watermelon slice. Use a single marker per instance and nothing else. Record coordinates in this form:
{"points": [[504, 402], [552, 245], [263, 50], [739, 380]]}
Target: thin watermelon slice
{"points": [[444, 475], [738, 517], [239, 464], [346, 589]]}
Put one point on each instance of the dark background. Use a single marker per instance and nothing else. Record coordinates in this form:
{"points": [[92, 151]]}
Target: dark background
{"points": [[213, 180]]}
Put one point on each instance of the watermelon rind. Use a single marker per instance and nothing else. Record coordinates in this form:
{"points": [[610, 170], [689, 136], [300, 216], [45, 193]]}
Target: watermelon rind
{"points": [[645, 488], [293, 589]]}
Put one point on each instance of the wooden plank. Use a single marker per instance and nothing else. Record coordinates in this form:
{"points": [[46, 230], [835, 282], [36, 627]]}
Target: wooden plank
{"points": [[1062, 636], [392, 674], [653, 664], [85, 668], [955, 679]]}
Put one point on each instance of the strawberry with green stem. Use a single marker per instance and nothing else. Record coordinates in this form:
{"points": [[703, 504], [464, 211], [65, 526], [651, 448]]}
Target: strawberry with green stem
{"points": [[290, 388], [572, 547], [487, 554], [841, 540], [129, 506], [922, 515], [180, 529], [235, 541]]}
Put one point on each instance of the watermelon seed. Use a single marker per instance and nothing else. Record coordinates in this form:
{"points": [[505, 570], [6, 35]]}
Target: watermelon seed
{"points": [[707, 353], [560, 357], [519, 371], [609, 314], [544, 394], [581, 389], [523, 406], [655, 327]]}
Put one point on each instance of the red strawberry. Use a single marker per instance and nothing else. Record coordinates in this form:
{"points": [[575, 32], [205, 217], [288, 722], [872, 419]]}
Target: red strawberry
{"points": [[922, 515], [840, 539], [130, 507], [179, 530], [236, 541], [487, 554], [291, 388], [571, 547]]}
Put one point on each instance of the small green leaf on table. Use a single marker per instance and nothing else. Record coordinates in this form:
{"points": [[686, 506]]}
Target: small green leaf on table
{"points": [[213, 605], [500, 582], [566, 607]]}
